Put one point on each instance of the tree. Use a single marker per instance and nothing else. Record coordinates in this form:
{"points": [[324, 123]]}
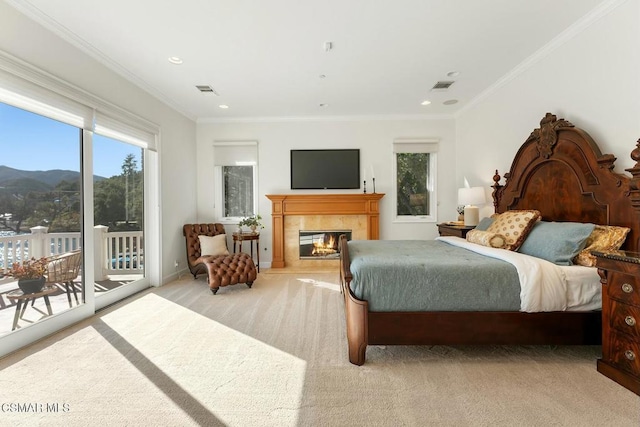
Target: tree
{"points": [[118, 201], [128, 171], [413, 170]]}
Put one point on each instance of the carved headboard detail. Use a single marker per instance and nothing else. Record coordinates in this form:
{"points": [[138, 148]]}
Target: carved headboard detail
{"points": [[560, 171]]}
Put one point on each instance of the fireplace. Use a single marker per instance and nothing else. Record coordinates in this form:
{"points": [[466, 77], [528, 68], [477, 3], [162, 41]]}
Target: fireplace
{"points": [[358, 212], [320, 244]]}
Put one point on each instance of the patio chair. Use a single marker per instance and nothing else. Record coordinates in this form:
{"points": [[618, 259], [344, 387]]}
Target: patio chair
{"points": [[63, 269], [222, 268]]}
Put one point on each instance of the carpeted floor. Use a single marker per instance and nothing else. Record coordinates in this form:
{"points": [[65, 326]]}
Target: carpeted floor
{"points": [[276, 355]]}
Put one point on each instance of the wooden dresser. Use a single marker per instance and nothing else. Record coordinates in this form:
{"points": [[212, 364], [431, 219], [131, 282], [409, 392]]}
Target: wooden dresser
{"points": [[620, 277]]}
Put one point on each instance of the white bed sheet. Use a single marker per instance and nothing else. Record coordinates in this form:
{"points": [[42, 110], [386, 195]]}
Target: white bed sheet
{"points": [[545, 286], [584, 290]]}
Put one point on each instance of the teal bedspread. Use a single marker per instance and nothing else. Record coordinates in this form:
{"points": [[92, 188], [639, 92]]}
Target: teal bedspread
{"points": [[430, 275]]}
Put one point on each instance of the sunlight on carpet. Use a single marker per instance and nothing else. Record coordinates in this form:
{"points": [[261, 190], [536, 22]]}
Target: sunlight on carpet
{"points": [[320, 284], [240, 379]]}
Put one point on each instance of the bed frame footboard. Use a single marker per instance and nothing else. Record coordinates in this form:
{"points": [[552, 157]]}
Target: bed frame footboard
{"points": [[356, 311]]}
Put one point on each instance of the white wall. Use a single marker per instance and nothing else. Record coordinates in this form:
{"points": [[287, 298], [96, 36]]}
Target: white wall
{"points": [[592, 80], [374, 138], [36, 45]]}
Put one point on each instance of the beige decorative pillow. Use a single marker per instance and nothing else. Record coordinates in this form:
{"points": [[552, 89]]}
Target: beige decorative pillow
{"points": [[603, 238], [514, 226], [486, 238], [213, 245]]}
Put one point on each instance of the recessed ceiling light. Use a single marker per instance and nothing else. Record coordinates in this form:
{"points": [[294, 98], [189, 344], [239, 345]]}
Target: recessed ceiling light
{"points": [[425, 102], [175, 60], [223, 106], [450, 102], [453, 73]]}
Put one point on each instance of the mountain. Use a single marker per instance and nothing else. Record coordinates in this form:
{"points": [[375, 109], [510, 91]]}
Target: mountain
{"points": [[24, 186], [51, 178]]}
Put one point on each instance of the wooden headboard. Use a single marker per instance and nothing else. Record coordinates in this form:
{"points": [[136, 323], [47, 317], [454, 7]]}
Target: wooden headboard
{"points": [[560, 171]]}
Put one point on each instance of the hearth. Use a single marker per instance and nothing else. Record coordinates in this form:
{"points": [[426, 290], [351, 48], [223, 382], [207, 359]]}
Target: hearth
{"points": [[321, 244], [359, 212]]}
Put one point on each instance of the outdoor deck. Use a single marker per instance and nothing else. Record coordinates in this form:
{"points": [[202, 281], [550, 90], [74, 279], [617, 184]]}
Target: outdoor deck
{"points": [[58, 300], [118, 260]]}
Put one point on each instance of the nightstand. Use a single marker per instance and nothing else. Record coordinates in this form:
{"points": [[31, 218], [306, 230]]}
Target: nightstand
{"points": [[454, 230], [620, 277]]}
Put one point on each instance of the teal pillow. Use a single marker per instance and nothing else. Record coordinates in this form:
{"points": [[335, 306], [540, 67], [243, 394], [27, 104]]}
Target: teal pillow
{"points": [[557, 242], [484, 224]]}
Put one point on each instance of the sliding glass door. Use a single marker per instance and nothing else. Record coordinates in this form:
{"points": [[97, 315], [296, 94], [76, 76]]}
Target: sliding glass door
{"points": [[118, 207], [77, 177], [43, 216], [40, 217]]}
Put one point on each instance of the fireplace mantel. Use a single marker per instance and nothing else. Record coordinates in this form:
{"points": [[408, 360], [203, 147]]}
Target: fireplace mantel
{"points": [[321, 204]]}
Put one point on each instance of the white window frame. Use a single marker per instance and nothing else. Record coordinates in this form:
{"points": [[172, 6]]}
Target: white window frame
{"points": [[219, 206], [417, 145]]}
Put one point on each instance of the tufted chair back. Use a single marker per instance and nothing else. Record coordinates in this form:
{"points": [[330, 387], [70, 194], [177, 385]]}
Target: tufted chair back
{"points": [[191, 233]]}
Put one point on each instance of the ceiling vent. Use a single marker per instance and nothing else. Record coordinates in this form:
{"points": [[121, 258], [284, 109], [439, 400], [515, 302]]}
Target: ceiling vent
{"points": [[442, 85], [206, 89]]}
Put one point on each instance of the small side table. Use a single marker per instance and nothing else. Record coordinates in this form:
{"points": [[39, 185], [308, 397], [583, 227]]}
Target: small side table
{"points": [[22, 300], [454, 230], [252, 237]]}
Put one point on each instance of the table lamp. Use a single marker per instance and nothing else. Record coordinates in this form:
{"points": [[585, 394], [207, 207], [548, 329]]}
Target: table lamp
{"points": [[469, 197]]}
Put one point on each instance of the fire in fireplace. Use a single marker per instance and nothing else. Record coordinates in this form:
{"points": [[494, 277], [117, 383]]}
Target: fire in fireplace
{"points": [[321, 244]]}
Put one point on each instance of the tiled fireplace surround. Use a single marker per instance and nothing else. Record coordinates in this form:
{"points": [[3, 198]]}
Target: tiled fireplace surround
{"points": [[291, 213]]}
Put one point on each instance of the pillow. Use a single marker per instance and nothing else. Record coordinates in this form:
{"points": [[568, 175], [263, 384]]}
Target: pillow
{"points": [[557, 242], [213, 245], [484, 224], [485, 238], [514, 226], [604, 238]]}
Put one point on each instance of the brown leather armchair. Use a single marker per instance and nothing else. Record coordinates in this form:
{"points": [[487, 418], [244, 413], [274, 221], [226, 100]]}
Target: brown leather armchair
{"points": [[222, 270]]}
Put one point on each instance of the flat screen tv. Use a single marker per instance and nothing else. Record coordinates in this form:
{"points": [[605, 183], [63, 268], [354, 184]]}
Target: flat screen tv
{"points": [[325, 169]]}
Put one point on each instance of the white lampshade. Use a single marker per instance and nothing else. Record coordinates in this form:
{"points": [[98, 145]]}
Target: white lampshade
{"points": [[469, 197]]}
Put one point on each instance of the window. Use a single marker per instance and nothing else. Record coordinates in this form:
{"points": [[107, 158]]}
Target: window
{"points": [[415, 183], [235, 170], [237, 187], [118, 203], [40, 211]]}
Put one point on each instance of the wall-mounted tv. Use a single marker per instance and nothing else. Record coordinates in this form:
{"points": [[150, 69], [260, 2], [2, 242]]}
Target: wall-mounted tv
{"points": [[325, 169]]}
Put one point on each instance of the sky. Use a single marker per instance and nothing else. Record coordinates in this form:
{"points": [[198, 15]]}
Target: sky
{"points": [[32, 142]]}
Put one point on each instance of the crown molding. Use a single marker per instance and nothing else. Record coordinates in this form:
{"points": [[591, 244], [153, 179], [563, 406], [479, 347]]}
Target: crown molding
{"points": [[576, 28], [69, 36]]}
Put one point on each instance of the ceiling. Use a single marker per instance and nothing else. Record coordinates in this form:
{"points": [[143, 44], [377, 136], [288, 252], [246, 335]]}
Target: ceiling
{"points": [[269, 58]]}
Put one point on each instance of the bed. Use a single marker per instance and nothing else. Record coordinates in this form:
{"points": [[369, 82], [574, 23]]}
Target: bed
{"points": [[558, 171]]}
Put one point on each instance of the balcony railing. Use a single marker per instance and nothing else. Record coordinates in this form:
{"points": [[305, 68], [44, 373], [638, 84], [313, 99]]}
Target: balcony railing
{"points": [[116, 253]]}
